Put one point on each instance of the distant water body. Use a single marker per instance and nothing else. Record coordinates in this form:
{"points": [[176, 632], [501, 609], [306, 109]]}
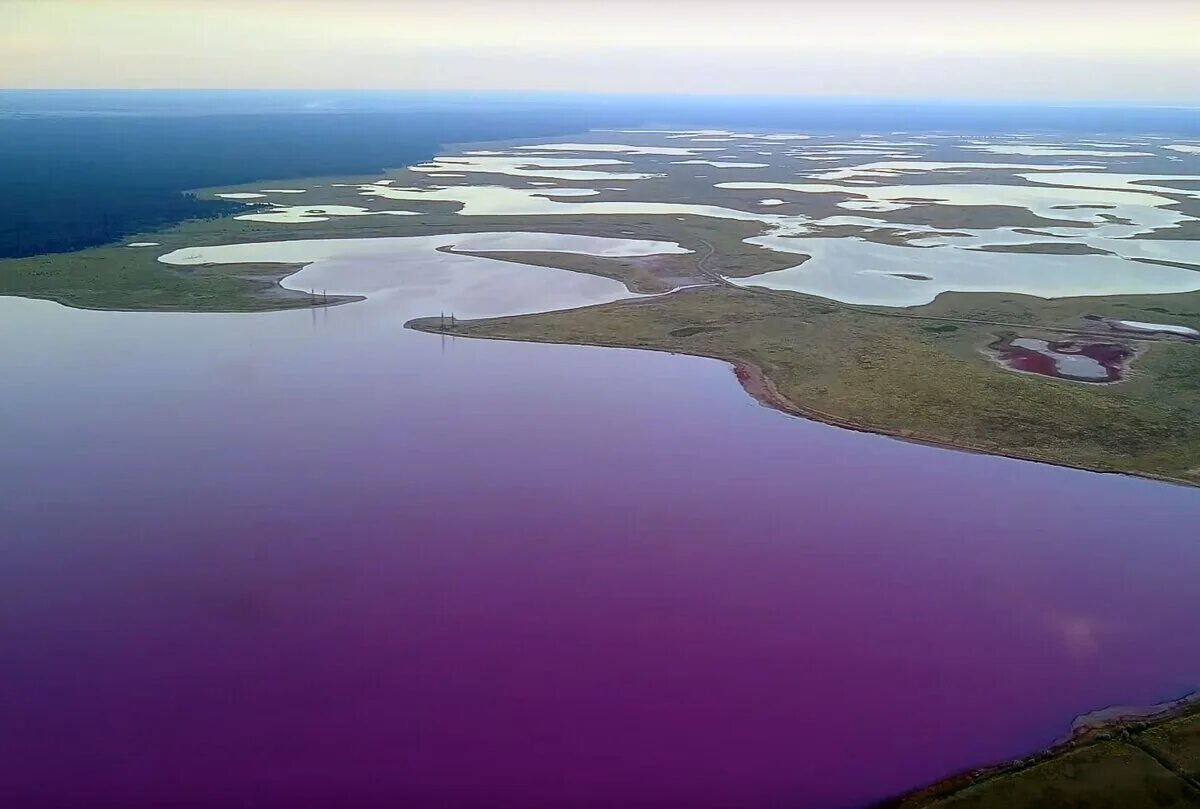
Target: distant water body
{"points": [[311, 559], [92, 167]]}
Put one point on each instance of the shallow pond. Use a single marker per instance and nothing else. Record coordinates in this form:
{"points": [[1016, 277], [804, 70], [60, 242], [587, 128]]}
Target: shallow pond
{"points": [[1076, 360]]}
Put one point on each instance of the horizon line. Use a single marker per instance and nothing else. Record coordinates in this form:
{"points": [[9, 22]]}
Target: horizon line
{"points": [[681, 96]]}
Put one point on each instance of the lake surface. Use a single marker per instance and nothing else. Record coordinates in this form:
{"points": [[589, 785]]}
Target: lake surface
{"points": [[311, 559]]}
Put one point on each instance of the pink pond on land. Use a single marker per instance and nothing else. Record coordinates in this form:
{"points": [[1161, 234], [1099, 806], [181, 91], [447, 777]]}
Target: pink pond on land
{"points": [[310, 559], [1079, 361]]}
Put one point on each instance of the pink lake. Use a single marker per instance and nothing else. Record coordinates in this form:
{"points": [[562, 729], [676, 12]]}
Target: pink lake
{"points": [[310, 559]]}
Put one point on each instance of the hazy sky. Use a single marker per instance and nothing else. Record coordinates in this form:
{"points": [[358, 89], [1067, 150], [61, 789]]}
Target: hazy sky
{"points": [[1146, 51]]}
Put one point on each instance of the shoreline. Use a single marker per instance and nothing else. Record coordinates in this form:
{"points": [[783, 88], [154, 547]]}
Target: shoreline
{"points": [[1098, 721], [1084, 733], [340, 300], [758, 385]]}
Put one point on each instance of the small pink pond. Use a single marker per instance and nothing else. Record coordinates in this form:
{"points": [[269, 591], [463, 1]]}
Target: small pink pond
{"points": [[1076, 360], [310, 560]]}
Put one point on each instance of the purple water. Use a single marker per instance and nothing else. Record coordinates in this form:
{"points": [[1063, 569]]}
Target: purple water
{"points": [[312, 560]]}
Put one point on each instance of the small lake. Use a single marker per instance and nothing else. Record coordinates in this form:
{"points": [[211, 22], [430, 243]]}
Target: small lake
{"points": [[312, 559]]}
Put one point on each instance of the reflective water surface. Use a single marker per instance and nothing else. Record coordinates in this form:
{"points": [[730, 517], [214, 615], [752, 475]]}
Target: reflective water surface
{"points": [[312, 559]]}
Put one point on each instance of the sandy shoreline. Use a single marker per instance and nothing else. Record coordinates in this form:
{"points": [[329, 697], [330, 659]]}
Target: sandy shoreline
{"points": [[757, 383]]}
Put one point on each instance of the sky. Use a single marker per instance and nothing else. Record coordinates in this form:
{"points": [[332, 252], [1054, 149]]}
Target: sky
{"points": [[1106, 51]]}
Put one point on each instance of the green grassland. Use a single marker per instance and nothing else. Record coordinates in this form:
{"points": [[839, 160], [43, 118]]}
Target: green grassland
{"points": [[1127, 765], [124, 278], [921, 373]]}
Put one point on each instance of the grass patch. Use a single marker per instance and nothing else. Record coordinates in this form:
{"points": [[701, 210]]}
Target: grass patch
{"points": [[1130, 764], [1109, 775], [908, 377]]}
